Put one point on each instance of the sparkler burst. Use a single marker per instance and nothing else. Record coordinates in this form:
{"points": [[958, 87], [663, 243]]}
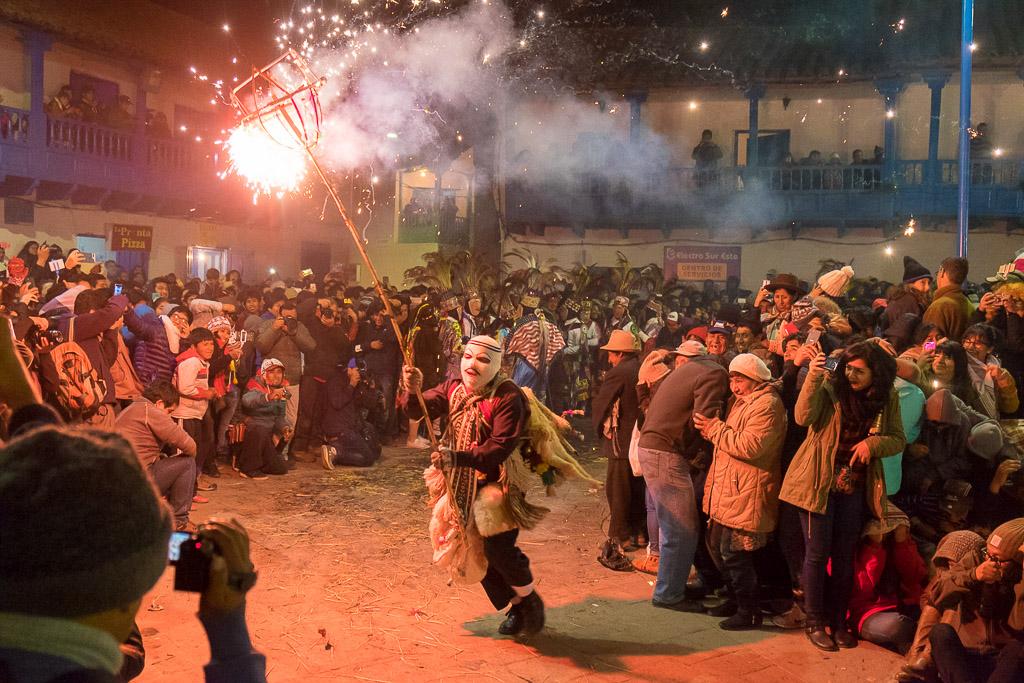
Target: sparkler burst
{"points": [[266, 165]]}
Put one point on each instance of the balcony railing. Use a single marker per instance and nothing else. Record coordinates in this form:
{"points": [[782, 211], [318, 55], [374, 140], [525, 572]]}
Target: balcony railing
{"points": [[828, 193], [68, 153]]}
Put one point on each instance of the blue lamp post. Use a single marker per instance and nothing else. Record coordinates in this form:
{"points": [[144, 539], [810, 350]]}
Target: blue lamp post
{"points": [[966, 53]]}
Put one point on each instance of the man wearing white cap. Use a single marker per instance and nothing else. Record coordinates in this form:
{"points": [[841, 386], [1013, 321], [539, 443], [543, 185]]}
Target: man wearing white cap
{"points": [[741, 494], [480, 467]]}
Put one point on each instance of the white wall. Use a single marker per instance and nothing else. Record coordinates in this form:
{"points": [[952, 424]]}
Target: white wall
{"points": [[272, 247], [986, 251]]}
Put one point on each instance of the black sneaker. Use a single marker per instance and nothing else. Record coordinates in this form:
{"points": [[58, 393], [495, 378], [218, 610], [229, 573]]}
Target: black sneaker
{"points": [[684, 605], [513, 623]]}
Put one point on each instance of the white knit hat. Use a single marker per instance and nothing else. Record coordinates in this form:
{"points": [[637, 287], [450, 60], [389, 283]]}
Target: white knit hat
{"points": [[749, 365], [835, 281]]}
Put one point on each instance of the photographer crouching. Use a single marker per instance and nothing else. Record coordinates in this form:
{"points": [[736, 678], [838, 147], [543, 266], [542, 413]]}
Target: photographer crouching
{"points": [[267, 429], [351, 439], [83, 537]]}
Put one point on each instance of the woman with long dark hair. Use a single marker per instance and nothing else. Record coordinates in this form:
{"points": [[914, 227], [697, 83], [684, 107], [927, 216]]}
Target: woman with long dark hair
{"points": [[949, 368], [836, 478]]}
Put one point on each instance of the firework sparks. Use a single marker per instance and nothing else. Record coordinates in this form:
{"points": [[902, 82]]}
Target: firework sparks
{"points": [[266, 165]]}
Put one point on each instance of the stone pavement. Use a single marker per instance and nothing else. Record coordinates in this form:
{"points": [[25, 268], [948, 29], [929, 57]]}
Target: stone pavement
{"points": [[347, 593]]}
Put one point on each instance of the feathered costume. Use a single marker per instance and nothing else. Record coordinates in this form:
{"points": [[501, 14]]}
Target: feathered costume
{"points": [[497, 434]]}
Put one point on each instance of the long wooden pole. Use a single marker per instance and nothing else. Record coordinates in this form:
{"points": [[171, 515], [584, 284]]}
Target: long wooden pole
{"points": [[387, 309]]}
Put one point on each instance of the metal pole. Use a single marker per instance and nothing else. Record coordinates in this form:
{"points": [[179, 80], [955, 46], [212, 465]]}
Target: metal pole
{"points": [[966, 53]]}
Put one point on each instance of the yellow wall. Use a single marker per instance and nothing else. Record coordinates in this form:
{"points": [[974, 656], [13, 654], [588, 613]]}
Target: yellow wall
{"points": [[986, 251]]}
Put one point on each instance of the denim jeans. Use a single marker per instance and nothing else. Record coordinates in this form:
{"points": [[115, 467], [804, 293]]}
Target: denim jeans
{"points": [[653, 548], [890, 629], [831, 536], [175, 479], [668, 480], [231, 400]]}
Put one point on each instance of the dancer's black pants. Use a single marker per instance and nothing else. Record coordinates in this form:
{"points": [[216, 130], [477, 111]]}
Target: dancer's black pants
{"points": [[507, 566]]}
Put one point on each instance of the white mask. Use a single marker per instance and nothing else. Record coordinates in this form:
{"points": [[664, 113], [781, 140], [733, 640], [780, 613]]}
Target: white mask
{"points": [[481, 362]]}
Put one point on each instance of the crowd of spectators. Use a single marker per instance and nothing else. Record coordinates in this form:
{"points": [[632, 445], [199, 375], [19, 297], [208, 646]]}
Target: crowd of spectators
{"points": [[841, 454]]}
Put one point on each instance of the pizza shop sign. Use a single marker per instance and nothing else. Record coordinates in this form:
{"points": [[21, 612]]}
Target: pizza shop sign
{"points": [[130, 237], [699, 263]]}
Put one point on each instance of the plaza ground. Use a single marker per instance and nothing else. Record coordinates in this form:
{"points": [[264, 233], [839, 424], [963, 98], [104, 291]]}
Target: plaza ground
{"points": [[346, 592]]}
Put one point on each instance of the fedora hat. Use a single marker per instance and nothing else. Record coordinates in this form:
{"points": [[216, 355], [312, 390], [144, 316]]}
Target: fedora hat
{"points": [[623, 341], [787, 281]]}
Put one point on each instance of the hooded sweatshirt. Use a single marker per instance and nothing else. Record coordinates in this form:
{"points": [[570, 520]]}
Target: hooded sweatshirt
{"points": [[192, 377]]}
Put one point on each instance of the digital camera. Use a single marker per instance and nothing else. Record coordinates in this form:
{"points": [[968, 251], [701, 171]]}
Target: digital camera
{"points": [[291, 323], [190, 556]]}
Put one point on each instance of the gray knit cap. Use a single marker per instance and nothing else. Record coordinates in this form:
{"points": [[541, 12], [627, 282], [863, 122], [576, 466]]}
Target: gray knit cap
{"points": [[82, 529], [956, 544]]}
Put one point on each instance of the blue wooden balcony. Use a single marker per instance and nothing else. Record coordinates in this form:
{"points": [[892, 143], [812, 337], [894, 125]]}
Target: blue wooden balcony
{"points": [[114, 169], [820, 196]]}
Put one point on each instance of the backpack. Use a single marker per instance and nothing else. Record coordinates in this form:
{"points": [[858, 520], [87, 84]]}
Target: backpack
{"points": [[80, 391]]}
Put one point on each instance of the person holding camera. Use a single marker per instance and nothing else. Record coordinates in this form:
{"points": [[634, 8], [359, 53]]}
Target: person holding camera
{"points": [[267, 429], [350, 439], [333, 347], [836, 477], [91, 540], [981, 642], [285, 339]]}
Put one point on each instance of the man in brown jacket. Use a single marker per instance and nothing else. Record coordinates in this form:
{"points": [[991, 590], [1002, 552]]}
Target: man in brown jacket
{"points": [[982, 642], [950, 310]]}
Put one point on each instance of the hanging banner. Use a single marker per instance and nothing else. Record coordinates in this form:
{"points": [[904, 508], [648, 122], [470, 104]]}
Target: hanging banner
{"points": [[123, 237], [700, 263]]}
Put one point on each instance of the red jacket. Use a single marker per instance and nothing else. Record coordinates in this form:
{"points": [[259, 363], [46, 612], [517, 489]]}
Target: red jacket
{"points": [[869, 596]]}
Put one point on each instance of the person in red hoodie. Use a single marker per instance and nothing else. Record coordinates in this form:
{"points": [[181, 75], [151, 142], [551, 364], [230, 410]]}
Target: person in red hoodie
{"points": [[889, 580]]}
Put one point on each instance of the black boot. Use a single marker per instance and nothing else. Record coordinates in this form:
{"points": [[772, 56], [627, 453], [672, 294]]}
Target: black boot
{"points": [[843, 636], [531, 610], [819, 637], [513, 623], [741, 621]]}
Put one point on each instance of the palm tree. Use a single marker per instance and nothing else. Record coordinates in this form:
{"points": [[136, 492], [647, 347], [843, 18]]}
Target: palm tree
{"points": [[437, 272]]}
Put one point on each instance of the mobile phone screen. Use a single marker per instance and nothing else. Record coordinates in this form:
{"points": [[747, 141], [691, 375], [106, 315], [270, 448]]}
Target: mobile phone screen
{"points": [[117, 289], [831, 364], [929, 346], [174, 544]]}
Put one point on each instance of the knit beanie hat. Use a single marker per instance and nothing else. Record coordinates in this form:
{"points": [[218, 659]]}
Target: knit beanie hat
{"points": [[749, 365], [1008, 537], [654, 368], [955, 545], [802, 312], [834, 282], [985, 440], [81, 528], [914, 271]]}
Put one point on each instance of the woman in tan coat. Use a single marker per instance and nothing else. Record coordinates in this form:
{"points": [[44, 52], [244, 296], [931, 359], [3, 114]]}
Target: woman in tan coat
{"points": [[836, 477], [741, 495]]}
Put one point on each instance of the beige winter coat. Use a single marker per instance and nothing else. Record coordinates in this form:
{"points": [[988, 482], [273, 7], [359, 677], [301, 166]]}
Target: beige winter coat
{"points": [[742, 489]]}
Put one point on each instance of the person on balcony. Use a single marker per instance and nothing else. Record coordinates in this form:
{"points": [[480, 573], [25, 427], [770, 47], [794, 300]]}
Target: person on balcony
{"points": [[120, 115], [87, 104], [834, 173], [60, 106], [981, 149], [706, 154]]}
